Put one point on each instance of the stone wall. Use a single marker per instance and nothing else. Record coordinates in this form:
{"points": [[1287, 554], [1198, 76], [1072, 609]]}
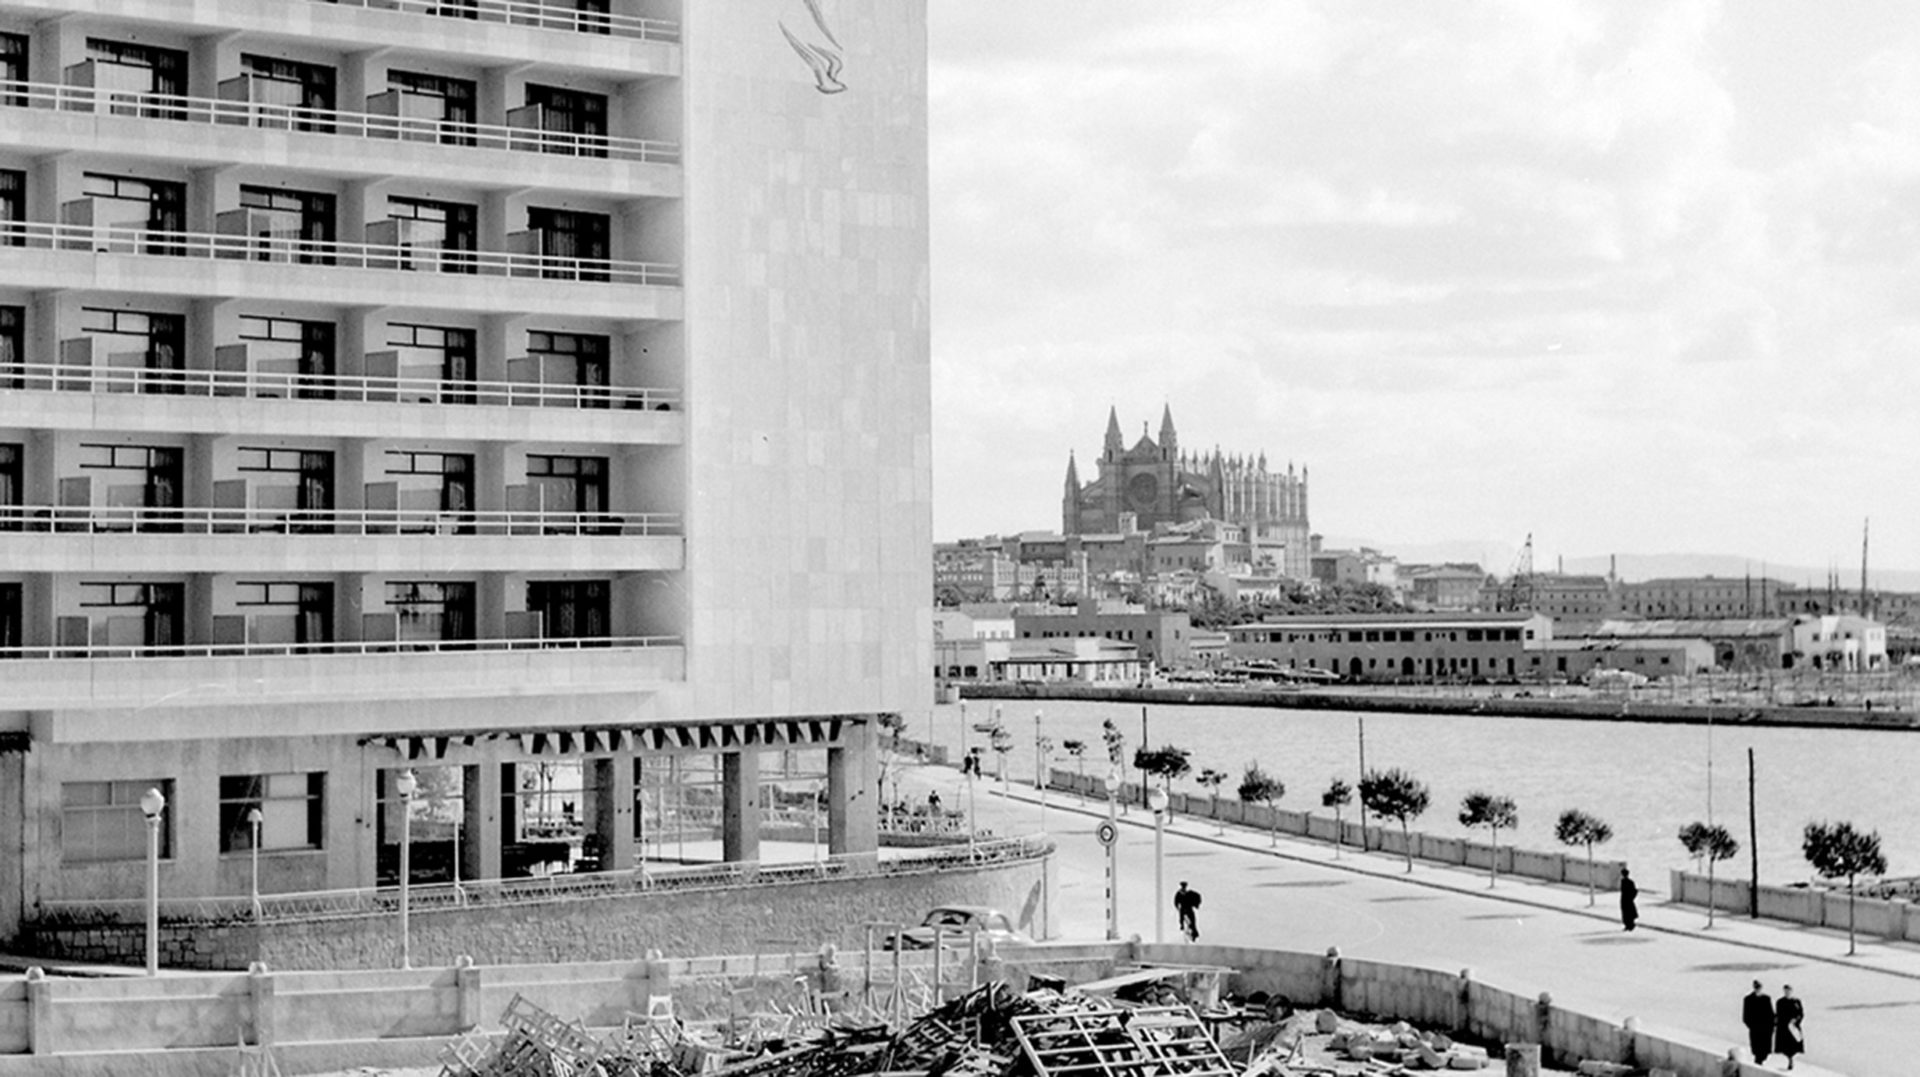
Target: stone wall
{"points": [[741, 919], [1553, 867], [1893, 920]]}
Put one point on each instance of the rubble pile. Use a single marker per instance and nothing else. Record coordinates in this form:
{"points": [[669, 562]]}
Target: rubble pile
{"points": [[992, 1031]]}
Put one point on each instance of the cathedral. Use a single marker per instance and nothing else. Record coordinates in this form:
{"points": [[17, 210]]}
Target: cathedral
{"points": [[1158, 484]]}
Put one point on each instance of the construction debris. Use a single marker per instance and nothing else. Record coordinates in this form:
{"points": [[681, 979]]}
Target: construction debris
{"points": [[992, 1031]]}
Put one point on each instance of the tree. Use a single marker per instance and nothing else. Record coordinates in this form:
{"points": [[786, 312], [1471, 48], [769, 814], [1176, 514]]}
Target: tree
{"points": [[892, 724], [1212, 779], [1078, 750], [1837, 849], [1395, 794], [1578, 828], [1259, 787], [1495, 813], [1713, 843], [1165, 763], [1337, 796]]}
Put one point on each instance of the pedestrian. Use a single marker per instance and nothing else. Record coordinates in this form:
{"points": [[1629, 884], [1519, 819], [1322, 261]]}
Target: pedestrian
{"points": [[1629, 895], [1186, 903], [1756, 1012], [1787, 1013], [933, 802]]}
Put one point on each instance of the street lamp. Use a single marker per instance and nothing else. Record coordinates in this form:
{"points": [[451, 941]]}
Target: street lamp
{"points": [[1157, 800], [152, 803], [254, 819], [1113, 851], [972, 776], [815, 814], [405, 785], [1039, 755]]}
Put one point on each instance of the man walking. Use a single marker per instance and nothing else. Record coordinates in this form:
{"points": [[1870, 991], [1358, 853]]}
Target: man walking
{"points": [[1186, 902], [1629, 895], [1756, 1012]]}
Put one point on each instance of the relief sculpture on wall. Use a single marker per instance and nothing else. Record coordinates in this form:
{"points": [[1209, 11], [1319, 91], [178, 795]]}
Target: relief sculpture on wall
{"points": [[821, 53]]}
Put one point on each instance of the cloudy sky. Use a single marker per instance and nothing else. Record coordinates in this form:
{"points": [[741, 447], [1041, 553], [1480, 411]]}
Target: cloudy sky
{"points": [[1630, 276]]}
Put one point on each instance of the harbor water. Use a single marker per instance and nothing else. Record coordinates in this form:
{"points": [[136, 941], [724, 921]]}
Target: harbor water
{"points": [[1645, 779]]}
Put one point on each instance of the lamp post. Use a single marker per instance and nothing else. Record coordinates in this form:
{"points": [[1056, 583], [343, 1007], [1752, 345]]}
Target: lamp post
{"points": [[1157, 800], [1039, 755], [254, 819], [405, 785], [815, 813], [972, 775], [152, 803], [1113, 852]]}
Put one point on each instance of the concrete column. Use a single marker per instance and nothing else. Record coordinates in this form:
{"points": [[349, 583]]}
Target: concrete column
{"points": [[39, 1013], [853, 821], [466, 981], [261, 991], [740, 805], [613, 811], [480, 821]]}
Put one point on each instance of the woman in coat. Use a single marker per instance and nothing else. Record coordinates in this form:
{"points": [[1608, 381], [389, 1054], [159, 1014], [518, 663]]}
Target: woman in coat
{"points": [[1787, 1014]]}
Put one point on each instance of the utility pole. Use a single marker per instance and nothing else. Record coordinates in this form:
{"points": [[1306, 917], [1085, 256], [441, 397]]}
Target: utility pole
{"points": [[1144, 746], [1363, 778], [1753, 842]]}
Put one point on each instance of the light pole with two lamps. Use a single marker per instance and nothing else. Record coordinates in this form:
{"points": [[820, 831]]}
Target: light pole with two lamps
{"points": [[1157, 800], [152, 804], [405, 785]]}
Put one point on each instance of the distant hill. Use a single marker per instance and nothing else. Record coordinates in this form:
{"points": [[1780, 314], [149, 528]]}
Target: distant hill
{"points": [[1498, 558]]}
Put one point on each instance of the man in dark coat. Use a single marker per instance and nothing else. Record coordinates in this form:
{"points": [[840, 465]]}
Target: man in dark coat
{"points": [[1629, 895], [1187, 904], [1756, 1012], [1787, 1014]]}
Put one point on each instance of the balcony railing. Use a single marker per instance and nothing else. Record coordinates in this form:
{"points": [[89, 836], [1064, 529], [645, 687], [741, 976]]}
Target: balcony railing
{"points": [[529, 13], [267, 115], [97, 519], [109, 239], [570, 886], [322, 388], [336, 647]]}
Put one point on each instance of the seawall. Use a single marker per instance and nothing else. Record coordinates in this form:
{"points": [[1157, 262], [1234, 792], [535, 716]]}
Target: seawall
{"points": [[1613, 708]]}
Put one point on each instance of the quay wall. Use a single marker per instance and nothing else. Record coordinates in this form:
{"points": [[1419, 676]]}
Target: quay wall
{"points": [[1569, 868], [1893, 920], [832, 909], [186, 1025], [1612, 708]]}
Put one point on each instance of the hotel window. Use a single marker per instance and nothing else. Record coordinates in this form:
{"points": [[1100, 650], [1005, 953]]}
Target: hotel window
{"points": [[275, 344], [292, 611], [439, 231], [162, 608], [294, 85], [148, 205], [309, 490], [581, 357], [102, 821], [445, 479], [13, 64], [438, 353], [571, 609], [567, 484], [12, 629], [139, 77], [438, 98], [158, 337], [305, 217], [13, 207], [12, 486], [433, 610], [292, 811], [572, 236], [160, 471], [571, 112], [13, 352]]}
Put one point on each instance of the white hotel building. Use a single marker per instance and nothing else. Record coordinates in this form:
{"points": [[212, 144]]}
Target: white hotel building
{"points": [[462, 386]]}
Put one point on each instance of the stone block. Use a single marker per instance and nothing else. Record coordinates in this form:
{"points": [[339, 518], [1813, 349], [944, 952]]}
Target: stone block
{"points": [[1466, 1062], [1593, 1067], [1326, 1021]]}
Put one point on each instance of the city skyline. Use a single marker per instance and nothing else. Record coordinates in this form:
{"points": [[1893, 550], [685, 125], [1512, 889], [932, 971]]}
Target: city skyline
{"points": [[1622, 278]]}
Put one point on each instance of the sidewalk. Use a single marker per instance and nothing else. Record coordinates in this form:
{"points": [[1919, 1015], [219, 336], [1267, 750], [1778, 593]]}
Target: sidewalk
{"points": [[1772, 936]]}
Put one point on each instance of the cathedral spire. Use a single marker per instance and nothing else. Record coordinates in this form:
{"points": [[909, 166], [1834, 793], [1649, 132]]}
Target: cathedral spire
{"points": [[1115, 445], [1169, 441], [1073, 475]]}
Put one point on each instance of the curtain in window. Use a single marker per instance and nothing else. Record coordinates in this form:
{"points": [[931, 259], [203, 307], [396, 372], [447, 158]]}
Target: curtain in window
{"points": [[10, 487], [456, 612], [166, 602], [314, 624]]}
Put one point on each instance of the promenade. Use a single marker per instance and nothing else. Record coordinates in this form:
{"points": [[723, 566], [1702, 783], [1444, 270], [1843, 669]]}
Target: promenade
{"points": [[1673, 974]]}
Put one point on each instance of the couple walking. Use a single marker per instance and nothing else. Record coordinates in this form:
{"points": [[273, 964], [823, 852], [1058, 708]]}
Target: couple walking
{"points": [[1772, 1027]]}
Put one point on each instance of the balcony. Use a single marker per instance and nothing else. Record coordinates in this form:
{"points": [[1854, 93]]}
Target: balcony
{"points": [[85, 370], [238, 110], [529, 13], [113, 519]]}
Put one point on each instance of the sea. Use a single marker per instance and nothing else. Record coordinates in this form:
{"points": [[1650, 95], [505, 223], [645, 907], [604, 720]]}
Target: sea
{"points": [[1645, 779]]}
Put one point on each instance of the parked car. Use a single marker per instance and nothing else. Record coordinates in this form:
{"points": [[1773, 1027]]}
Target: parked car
{"points": [[959, 926]]}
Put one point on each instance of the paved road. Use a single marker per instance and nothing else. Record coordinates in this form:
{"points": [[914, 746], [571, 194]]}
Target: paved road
{"points": [[1672, 974]]}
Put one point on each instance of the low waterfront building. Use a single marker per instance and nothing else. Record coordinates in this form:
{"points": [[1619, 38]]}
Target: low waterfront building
{"points": [[1162, 636], [1089, 659], [1575, 657], [1445, 587], [1739, 644], [1840, 641], [1397, 646]]}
